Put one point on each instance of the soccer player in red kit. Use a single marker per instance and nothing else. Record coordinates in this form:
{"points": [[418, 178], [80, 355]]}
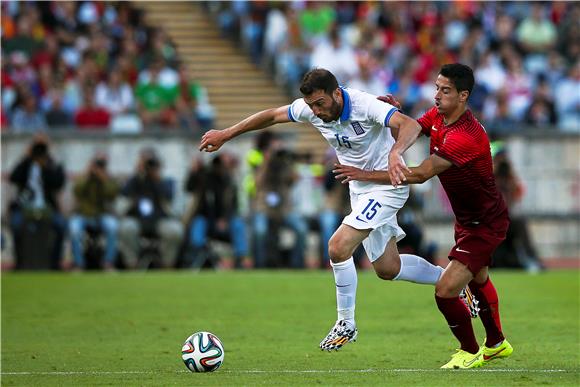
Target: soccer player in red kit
{"points": [[460, 155]]}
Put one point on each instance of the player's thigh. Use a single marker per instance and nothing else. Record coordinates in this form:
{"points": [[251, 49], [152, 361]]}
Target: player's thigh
{"points": [[455, 277], [344, 241]]}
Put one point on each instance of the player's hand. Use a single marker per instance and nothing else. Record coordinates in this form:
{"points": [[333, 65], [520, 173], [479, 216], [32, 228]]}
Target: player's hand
{"points": [[389, 98], [397, 169], [346, 173], [212, 140]]}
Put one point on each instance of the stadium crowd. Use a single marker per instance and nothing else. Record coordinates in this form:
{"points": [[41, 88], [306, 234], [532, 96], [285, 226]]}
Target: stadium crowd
{"points": [[526, 55], [97, 66], [93, 65]]}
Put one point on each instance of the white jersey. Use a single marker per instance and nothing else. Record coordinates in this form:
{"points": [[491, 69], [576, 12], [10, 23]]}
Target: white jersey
{"points": [[360, 136]]}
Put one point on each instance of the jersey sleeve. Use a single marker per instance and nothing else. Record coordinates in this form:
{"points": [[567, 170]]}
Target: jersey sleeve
{"points": [[299, 111], [459, 147], [426, 121], [380, 112]]}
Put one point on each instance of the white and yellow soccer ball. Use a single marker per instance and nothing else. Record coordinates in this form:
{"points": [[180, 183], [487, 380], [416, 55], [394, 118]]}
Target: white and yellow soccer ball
{"points": [[202, 352]]}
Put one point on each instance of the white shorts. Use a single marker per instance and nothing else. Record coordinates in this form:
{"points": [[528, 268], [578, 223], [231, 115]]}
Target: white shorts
{"points": [[377, 210]]}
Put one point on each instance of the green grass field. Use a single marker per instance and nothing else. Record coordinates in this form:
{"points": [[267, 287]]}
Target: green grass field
{"points": [[127, 329]]}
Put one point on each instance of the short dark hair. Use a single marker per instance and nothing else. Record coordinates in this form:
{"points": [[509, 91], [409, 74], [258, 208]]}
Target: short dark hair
{"points": [[460, 75], [318, 79]]}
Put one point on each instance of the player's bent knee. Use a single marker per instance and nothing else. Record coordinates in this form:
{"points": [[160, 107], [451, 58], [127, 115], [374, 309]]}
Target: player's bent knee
{"points": [[337, 252], [387, 274]]}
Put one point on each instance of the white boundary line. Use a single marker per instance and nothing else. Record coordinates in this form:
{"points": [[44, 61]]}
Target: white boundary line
{"points": [[399, 370]]}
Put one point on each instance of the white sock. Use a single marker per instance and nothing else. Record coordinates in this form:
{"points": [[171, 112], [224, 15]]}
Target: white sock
{"points": [[346, 280], [418, 270]]}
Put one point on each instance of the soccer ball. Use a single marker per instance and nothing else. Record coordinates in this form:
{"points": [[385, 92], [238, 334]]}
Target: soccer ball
{"points": [[202, 352]]}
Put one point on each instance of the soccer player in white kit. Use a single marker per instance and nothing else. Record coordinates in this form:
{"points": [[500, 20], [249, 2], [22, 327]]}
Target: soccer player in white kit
{"points": [[360, 128]]}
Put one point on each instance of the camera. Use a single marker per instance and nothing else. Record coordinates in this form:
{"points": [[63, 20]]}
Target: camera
{"points": [[101, 163]]}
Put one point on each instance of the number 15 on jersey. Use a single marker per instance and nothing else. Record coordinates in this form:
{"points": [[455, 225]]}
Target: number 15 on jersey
{"points": [[343, 141]]}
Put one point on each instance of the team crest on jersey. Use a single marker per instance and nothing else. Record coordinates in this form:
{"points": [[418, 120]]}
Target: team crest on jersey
{"points": [[358, 129]]}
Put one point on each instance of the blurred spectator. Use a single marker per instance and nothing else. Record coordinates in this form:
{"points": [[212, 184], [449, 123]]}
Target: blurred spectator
{"points": [[537, 33], [255, 158], [498, 107], [490, 73], [115, 95], [316, 20], [406, 89], [569, 32], [150, 196], [293, 59], [309, 176], [336, 56], [541, 113], [100, 49], [519, 88], [161, 47], [568, 99], [155, 100], [39, 179], [24, 40], [216, 213], [188, 95], [517, 250], [159, 73], [21, 70], [94, 193], [56, 116], [67, 25], [89, 115], [28, 118], [85, 77], [367, 80]]}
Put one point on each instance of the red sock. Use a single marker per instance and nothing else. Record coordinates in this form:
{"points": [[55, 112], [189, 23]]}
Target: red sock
{"points": [[489, 311], [459, 322]]}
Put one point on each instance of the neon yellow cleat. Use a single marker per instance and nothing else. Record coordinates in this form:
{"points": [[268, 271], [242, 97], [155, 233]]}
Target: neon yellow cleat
{"points": [[463, 359], [504, 350]]}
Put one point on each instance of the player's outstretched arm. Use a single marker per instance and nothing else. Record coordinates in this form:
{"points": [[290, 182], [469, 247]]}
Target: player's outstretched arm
{"points": [[213, 139], [408, 130], [430, 167]]}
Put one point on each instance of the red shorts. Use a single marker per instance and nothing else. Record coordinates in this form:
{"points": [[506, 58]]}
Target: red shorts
{"points": [[475, 245]]}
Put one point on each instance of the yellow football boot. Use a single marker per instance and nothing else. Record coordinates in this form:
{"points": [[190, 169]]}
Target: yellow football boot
{"points": [[463, 359], [503, 350]]}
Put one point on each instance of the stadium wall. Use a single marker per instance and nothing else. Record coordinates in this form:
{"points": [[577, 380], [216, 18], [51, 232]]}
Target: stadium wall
{"points": [[547, 163]]}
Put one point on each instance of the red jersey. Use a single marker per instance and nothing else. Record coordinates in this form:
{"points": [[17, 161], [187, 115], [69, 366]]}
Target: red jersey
{"points": [[469, 182], [96, 118]]}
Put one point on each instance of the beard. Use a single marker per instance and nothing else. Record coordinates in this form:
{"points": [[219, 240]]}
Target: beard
{"points": [[334, 112]]}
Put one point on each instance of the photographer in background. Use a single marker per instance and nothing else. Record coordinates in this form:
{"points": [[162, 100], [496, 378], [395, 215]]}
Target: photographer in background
{"points": [[216, 213], [150, 196], [274, 180], [94, 194], [517, 250], [39, 179]]}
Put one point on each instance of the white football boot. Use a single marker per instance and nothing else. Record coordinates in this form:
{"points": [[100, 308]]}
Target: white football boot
{"points": [[341, 333]]}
